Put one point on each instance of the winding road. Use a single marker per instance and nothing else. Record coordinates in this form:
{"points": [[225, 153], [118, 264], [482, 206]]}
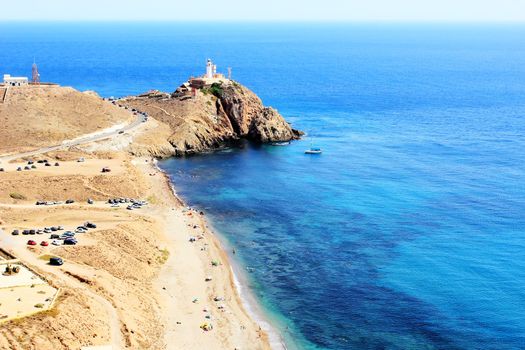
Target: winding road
{"points": [[107, 133]]}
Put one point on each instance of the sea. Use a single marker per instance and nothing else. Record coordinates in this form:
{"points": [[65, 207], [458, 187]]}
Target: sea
{"points": [[408, 231]]}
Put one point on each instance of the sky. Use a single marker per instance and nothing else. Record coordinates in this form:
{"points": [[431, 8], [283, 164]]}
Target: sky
{"points": [[266, 10]]}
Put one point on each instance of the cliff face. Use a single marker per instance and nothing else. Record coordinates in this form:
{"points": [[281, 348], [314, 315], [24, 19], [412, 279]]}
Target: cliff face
{"points": [[250, 119], [213, 118]]}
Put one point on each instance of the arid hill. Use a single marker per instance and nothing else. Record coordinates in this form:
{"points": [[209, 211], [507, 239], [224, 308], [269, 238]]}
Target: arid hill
{"points": [[36, 116], [213, 118]]}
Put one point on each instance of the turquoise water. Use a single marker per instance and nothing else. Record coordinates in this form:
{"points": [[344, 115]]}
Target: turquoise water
{"points": [[408, 231]]}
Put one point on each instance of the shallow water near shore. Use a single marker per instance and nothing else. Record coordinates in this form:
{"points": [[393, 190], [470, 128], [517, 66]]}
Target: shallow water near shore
{"points": [[407, 232]]}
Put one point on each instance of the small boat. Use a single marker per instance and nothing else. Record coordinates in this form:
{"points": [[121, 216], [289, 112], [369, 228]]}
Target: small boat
{"points": [[313, 150], [280, 143]]}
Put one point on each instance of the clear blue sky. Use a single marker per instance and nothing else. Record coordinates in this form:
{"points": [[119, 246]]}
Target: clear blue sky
{"points": [[263, 10]]}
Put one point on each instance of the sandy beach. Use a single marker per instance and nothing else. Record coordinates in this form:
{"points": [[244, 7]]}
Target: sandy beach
{"points": [[191, 287]]}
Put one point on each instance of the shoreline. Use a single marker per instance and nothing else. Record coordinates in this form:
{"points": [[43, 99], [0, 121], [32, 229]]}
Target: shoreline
{"points": [[256, 310], [246, 296]]}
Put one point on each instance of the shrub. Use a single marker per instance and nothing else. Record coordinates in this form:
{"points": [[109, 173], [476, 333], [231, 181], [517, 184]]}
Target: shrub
{"points": [[16, 195], [165, 254], [216, 90]]}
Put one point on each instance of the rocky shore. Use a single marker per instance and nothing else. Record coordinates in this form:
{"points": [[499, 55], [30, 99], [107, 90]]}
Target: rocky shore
{"points": [[210, 118]]}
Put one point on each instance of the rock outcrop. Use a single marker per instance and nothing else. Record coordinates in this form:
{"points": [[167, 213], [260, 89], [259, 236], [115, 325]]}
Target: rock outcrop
{"points": [[250, 119], [213, 117]]}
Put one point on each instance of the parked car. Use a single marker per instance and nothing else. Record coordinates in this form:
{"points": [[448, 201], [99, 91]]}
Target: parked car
{"points": [[55, 242], [44, 243], [47, 164], [15, 232], [25, 232], [56, 261], [57, 164], [2, 170], [81, 160], [70, 201], [90, 201], [32, 232], [90, 225], [31, 242], [70, 241]]}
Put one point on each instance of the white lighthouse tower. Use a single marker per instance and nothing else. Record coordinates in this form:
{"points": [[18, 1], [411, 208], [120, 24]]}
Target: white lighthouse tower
{"points": [[209, 69]]}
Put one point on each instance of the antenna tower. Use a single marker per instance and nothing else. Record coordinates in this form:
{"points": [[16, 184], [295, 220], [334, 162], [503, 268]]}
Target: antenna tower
{"points": [[35, 74], [229, 73]]}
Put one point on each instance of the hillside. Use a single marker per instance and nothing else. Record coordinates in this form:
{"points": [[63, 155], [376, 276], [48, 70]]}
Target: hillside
{"points": [[36, 116]]}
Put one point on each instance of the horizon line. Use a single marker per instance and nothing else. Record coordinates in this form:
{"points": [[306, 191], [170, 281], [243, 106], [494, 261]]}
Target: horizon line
{"points": [[262, 21]]}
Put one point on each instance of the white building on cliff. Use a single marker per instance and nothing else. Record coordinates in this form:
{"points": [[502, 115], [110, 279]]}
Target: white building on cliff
{"points": [[15, 81], [210, 77]]}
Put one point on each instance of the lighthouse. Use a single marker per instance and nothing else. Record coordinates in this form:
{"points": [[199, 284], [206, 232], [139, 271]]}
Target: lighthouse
{"points": [[209, 78], [210, 67]]}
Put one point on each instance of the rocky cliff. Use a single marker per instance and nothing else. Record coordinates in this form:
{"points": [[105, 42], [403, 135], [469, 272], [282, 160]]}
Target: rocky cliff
{"points": [[250, 119], [214, 117]]}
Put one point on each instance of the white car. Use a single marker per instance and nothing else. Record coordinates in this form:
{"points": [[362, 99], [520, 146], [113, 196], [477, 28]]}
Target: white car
{"points": [[56, 242]]}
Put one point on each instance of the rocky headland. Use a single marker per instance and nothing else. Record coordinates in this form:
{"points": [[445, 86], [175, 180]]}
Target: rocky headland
{"points": [[208, 118]]}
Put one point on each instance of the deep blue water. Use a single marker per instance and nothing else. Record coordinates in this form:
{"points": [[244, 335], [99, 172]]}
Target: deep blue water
{"points": [[408, 232]]}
